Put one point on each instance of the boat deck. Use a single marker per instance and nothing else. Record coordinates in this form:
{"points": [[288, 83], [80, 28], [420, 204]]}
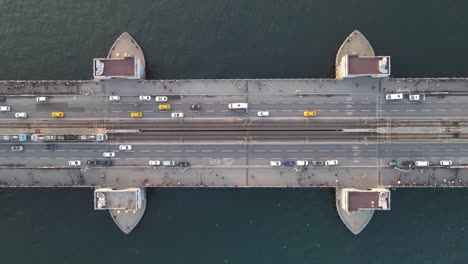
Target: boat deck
{"points": [[354, 44]]}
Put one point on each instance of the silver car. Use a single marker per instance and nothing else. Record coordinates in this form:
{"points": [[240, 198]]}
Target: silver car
{"points": [[161, 98], [331, 162]]}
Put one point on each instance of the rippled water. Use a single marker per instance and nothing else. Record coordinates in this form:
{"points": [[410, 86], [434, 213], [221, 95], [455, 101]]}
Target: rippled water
{"points": [[231, 39]]}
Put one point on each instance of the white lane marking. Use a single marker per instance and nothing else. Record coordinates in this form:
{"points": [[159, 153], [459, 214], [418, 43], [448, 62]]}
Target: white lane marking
{"points": [[207, 150], [425, 110], [441, 110], [291, 150], [145, 151], [176, 150], [365, 110], [74, 150], [59, 158], [44, 158], [30, 158], [410, 110], [226, 150], [394, 110], [259, 150], [324, 150], [190, 150]]}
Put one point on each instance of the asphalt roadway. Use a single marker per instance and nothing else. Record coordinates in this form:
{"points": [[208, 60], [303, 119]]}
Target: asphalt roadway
{"points": [[216, 138]]}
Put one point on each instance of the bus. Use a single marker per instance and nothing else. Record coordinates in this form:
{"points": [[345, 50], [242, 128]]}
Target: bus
{"points": [[42, 137], [20, 137]]}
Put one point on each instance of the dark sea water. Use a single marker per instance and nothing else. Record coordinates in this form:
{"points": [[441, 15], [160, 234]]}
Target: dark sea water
{"points": [[231, 39]]}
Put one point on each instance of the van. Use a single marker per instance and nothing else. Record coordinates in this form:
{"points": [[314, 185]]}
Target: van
{"points": [[420, 163], [4, 108], [168, 163], [394, 96], [238, 106]]}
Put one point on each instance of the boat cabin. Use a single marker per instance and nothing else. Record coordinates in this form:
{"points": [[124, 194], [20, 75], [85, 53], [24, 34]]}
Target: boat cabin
{"points": [[371, 199], [130, 199], [125, 68], [364, 66]]}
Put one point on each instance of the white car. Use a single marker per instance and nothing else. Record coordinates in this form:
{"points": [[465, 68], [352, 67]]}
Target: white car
{"points": [[5, 108], [177, 114], [108, 154], [144, 98], [42, 99], [114, 98], [331, 162], [394, 96], [417, 97], [275, 163], [161, 98], [263, 113], [154, 162], [21, 115], [422, 163], [445, 163], [74, 162], [125, 147], [302, 163]]}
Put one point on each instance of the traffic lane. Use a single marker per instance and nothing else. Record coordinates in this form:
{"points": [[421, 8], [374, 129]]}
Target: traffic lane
{"points": [[73, 107], [201, 154], [236, 151], [432, 107], [216, 106]]}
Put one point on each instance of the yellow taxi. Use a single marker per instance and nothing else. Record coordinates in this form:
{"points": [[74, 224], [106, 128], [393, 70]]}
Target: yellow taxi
{"points": [[164, 107], [58, 114], [136, 114], [310, 113]]}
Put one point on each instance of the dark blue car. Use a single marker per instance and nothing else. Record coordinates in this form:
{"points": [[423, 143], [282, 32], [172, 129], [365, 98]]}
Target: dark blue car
{"points": [[288, 163]]}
